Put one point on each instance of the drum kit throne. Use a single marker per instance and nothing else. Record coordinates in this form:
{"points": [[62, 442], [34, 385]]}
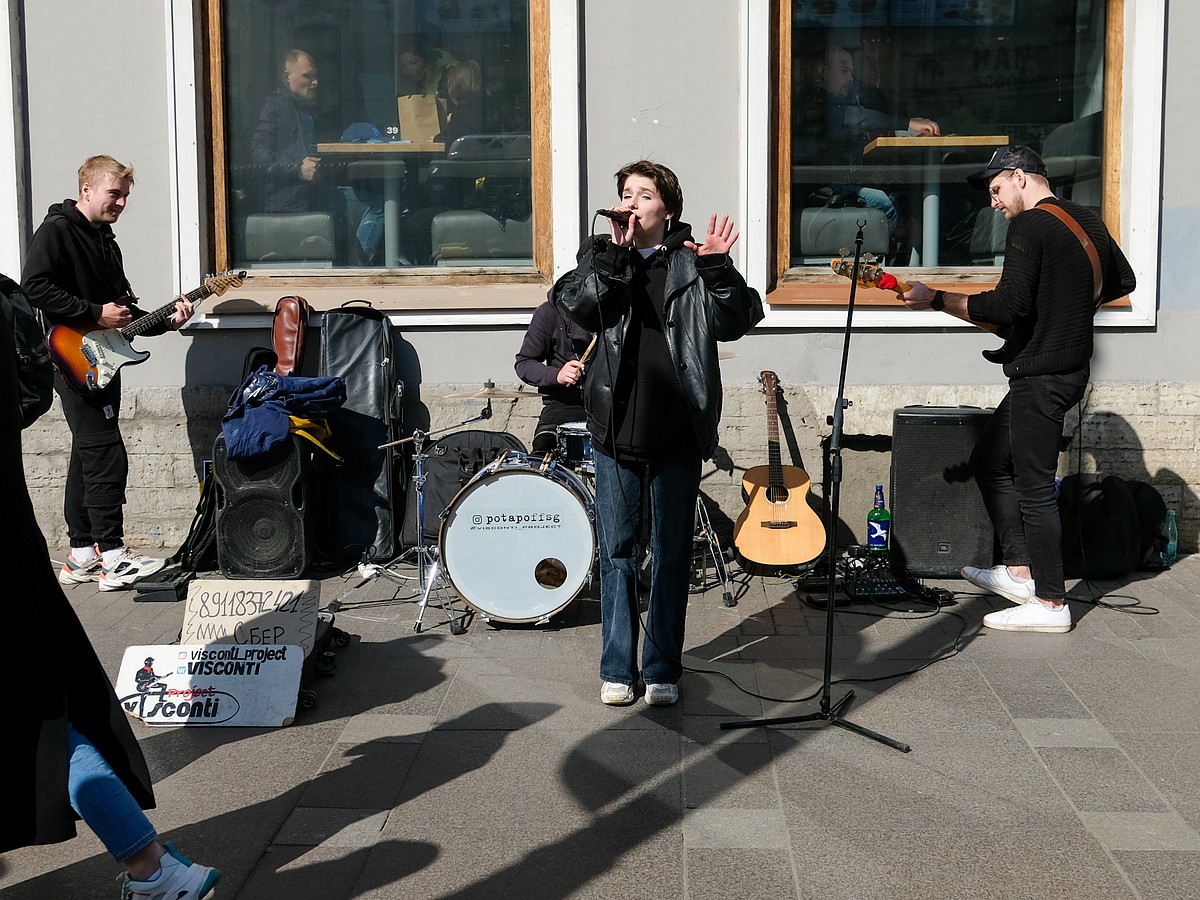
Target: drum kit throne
{"points": [[518, 541]]}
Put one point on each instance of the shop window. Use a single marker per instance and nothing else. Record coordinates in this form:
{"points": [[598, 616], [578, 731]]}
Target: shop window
{"points": [[360, 136], [863, 81]]}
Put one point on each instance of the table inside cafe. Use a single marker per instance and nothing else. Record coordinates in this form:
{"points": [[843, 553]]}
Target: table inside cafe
{"points": [[389, 161], [929, 152]]}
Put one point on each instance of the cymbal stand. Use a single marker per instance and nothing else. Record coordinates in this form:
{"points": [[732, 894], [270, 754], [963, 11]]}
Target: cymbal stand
{"points": [[429, 563], [706, 535], [831, 713]]}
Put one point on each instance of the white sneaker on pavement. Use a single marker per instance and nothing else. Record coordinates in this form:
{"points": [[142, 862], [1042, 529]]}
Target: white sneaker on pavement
{"points": [[1033, 616], [179, 879], [616, 694], [128, 568], [998, 580], [662, 694]]}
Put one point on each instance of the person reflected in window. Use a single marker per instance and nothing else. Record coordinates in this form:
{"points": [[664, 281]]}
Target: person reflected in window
{"points": [[551, 360], [465, 112], [421, 69], [284, 142], [831, 124]]}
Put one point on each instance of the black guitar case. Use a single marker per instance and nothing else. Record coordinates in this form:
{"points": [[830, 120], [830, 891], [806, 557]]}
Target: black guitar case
{"points": [[362, 524], [452, 461]]}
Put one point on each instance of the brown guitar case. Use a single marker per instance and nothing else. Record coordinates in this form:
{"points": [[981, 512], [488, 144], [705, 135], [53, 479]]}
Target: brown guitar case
{"points": [[289, 331]]}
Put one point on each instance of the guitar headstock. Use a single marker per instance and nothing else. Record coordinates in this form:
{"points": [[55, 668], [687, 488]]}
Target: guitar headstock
{"points": [[869, 273], [219, 284], [769, 382]]}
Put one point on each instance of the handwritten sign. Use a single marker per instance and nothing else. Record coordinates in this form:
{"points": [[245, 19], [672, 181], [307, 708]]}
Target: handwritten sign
{"points": [[216, 684], [251, 612]]}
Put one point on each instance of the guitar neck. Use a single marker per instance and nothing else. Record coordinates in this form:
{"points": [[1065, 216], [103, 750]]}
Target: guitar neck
{"points": [[152, 320], [774, 454]]}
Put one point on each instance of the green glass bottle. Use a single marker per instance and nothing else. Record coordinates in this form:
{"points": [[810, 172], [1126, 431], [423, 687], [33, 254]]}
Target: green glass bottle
{"points": [[879, 524]]}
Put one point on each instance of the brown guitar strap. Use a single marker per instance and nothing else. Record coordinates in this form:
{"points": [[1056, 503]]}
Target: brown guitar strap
{"points": [[1067, 219]]}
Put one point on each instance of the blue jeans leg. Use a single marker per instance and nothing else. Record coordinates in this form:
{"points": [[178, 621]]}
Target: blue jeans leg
{"points": [[102, 800], [672, 488]]}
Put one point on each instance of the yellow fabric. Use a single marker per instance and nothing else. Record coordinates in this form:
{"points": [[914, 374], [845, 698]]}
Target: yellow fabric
{"points": [[315, 430]]}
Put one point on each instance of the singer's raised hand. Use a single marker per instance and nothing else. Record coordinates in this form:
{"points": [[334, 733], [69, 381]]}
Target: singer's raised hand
{"points": [[719, 238], [622, 235]]}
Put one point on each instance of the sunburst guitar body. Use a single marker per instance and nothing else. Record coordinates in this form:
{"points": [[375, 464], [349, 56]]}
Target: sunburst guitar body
{"points": [[89, 358], [777, 528]]}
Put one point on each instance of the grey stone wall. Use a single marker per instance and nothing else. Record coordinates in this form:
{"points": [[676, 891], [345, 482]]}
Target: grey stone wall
{"points": [[1142, 431]]}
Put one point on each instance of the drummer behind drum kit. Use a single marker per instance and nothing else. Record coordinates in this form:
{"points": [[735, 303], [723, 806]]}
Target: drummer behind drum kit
{"points": [[518, 541]]}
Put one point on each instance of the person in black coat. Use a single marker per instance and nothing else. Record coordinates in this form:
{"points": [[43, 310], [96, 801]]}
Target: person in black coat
{"points": [[284, 141], [71, 753], [551, 359]]}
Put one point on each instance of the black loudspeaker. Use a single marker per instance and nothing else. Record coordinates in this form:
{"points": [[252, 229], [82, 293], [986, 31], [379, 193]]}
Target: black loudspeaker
{"points": [[939, 523], [265, 511]]}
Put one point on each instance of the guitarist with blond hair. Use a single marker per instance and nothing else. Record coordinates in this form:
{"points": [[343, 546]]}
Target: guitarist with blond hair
{"points": [[75, 275]]}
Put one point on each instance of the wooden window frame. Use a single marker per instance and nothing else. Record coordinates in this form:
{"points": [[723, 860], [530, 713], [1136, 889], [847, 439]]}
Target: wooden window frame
{"points": [[432, 289], [797, 288]]}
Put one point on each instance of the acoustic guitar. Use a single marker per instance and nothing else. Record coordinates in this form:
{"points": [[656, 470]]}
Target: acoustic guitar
{"points": [[777, 527], [90, 357]]}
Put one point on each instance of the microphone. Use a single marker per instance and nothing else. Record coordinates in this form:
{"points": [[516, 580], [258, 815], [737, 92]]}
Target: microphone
{"points": [[621, 218]]}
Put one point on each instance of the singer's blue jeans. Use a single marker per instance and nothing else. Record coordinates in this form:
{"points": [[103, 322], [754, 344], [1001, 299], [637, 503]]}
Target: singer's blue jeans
{"points": [[103, 801], [671, 488]]}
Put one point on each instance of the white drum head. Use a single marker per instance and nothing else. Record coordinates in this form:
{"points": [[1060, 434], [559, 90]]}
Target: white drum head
{"points": [[517, 544]]}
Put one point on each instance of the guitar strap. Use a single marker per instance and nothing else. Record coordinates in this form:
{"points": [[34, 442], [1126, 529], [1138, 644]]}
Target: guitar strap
{"points": [[1067, 219]]}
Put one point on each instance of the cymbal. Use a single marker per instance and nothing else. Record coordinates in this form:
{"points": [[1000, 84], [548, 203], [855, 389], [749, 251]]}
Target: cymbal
{"points": [[492, 393]]}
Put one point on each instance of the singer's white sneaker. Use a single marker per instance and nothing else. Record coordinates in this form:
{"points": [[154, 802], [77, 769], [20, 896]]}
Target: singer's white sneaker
{"points": [[998, 580], [1033, 616]]}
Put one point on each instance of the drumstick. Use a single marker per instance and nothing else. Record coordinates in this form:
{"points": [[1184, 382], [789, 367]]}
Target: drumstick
{"points": [[588, 351]]}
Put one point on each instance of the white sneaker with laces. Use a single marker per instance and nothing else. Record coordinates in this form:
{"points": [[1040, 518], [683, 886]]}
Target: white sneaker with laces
{"points": [[662, 694], [127, 568], [998, 580], [179, 879], [74, 572], [616, 694], [1033, 616]]}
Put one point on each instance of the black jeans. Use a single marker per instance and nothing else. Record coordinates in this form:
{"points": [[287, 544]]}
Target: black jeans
{"points": [[98, 469], [1014, 463]]}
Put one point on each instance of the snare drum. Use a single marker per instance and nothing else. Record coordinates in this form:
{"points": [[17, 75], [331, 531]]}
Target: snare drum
{"points": [[517, 541], [575, 447]]}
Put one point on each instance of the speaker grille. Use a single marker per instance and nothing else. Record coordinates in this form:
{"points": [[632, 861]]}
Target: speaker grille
{"points": [[939, 523], [264, 512]]}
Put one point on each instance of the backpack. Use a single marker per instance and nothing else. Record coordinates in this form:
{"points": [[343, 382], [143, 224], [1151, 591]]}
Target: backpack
{"points": [[35, 370], [1110, 526]]}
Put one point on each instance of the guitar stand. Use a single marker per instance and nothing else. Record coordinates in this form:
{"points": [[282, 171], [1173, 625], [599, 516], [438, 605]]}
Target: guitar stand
{"points": [[712, 547], [829, 712]]}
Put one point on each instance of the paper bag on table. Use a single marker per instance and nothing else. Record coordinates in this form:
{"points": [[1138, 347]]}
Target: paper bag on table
{"points": [[422, 117]]}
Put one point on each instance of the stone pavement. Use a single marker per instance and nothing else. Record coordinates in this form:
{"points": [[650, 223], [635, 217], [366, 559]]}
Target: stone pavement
{"points": [[483, 764]]}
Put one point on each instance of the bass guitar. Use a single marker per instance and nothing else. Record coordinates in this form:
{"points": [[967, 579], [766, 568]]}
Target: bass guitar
{"points": [[777, 527], [90, 357]]}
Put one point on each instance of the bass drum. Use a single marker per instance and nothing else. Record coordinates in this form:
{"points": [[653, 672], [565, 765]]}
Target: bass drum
{"points": [[517, 542]]}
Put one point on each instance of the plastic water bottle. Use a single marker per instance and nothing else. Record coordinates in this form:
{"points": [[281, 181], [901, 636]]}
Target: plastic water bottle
{"points": [[1170, 531], [879, 524]]}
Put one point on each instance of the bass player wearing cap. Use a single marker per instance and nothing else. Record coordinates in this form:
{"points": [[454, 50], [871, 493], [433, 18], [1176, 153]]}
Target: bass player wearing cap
{"points": [[1060, 263]]}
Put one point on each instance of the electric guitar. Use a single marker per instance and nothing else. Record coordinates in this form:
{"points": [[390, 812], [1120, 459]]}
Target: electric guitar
{"points": [[777, 527], [871, 275], [89, 357]]}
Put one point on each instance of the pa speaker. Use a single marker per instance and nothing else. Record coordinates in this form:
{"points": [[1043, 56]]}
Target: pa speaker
{"points": [[264, 511], [939, 523]]}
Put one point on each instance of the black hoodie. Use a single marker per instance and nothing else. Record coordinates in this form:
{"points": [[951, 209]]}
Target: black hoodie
{"points": [[73, 269]]}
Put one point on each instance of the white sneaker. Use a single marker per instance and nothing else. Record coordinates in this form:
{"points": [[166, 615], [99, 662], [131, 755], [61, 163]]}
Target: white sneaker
{"points": [[1034, 616], [998, 580], [128, 568], [73, 572], [616, 694], [662, 694], [178, 879]]}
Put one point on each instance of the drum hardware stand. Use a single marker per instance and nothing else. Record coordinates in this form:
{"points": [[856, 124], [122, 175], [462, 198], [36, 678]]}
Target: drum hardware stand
{"points": [[705, 534], [831, 713], [429, 563]]}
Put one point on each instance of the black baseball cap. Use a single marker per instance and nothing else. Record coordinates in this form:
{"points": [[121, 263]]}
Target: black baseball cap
{"points": [[1005, 160]]}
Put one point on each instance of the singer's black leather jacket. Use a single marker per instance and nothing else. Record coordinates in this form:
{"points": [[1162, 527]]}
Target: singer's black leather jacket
{"points": [[707, 300]]}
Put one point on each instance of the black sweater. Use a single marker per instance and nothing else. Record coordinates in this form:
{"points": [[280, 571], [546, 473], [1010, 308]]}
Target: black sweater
{"points": [[1043, 303]]}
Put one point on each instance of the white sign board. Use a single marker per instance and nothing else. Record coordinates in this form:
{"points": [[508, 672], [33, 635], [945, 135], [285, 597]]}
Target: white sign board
{"points": [[215, 684], [252, 612]]}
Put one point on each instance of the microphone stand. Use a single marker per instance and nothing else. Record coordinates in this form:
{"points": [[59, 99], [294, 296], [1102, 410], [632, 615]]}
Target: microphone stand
{"points": [[829, 712]]}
